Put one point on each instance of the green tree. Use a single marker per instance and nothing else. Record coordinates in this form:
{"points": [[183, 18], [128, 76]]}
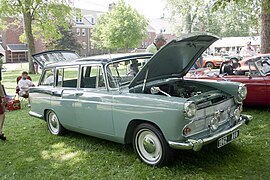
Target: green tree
{"points": [[232, 20], [40, 18], [184, 13], [122, 27], [67, 41], [262, 9]]}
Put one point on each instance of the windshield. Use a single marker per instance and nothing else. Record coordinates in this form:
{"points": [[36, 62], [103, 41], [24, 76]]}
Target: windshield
{"points": [[264, 66], [122, 72]]}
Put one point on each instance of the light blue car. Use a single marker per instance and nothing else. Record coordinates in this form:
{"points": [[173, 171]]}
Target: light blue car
{"points": [[139, 99]]}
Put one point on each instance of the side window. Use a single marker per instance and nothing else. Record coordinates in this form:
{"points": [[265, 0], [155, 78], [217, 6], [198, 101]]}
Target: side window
{"points": [[67, 77], [48, 78], [92, 77], [124, 71]]}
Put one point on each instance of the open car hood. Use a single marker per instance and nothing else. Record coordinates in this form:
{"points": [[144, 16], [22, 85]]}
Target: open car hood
{"points": [[47, 57], [175, 58]]}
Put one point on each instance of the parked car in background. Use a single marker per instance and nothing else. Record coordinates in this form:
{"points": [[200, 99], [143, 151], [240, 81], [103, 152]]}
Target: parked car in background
{"points": [[212, 61], [252, 71], [244, 65], [120, 98]]}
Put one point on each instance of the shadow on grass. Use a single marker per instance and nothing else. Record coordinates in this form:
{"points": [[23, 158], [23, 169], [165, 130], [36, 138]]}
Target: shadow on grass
{"points": [[32, 153]]}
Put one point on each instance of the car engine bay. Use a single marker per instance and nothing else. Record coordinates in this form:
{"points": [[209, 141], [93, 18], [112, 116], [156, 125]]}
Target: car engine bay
{"points": [[202, 95]]}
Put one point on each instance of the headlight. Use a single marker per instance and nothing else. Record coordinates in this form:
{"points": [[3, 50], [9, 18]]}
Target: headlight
{"points": [[242, 91], [190, 109], [214, 123], [237, 113]]}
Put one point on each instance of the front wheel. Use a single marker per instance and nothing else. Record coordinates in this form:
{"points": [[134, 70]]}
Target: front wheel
{"points": [[150, 145], [54, 124]]}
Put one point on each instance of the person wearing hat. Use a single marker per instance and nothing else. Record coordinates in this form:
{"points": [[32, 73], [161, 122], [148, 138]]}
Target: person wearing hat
{"points": [[159, 41], [247, 50]]}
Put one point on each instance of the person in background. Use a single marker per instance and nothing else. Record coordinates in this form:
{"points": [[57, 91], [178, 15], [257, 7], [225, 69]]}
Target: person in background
{"points": [[2, 107], [159, 41], [36, 67], [24, 84], [247, 50], [2, 112]]}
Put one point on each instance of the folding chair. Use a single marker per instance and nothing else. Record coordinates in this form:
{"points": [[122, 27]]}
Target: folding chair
{"points": [[24, 97]]}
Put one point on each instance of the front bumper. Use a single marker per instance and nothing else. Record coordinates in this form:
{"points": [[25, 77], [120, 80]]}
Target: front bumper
{"points": [[196, 145]]}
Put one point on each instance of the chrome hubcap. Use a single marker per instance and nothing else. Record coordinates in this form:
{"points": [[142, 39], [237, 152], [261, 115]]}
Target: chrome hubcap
{"points": [[53, 123], [148, 146]]}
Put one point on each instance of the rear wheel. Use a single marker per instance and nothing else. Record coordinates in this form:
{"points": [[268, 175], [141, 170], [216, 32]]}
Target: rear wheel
{"points": [[209, 65], [54, 124], [150, 145]]}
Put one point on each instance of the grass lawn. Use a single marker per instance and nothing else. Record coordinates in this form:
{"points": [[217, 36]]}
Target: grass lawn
{"points": [[32, 153]]}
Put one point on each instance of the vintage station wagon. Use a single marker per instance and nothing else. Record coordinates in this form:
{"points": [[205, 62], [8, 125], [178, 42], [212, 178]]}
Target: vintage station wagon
{"points": [[139, 98]]}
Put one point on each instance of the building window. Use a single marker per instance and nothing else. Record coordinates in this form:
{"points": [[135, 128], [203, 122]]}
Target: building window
{"points": [[93, 20], [78, 32], [83, 32], [162, 30], [78, 20]]}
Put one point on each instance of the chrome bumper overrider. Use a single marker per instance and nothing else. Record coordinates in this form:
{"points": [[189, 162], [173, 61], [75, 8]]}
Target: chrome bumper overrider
{"points": [[196, 145], [31, 113]]}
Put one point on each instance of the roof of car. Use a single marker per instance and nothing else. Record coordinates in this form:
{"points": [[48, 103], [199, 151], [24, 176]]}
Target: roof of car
{"points": [[101, 59]]}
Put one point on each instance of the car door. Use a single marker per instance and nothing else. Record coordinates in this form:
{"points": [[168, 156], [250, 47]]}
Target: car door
{"points": [[94, 105], [256, 87], [64, 95]]}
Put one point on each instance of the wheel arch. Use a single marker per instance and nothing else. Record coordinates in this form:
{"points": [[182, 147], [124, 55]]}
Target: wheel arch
{"points": [[132, 125], [45, 114]]}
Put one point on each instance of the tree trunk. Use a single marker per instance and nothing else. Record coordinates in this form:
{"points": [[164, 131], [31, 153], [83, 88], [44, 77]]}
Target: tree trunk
{"points": [[188, 25], [265, 27], [27, 18]]}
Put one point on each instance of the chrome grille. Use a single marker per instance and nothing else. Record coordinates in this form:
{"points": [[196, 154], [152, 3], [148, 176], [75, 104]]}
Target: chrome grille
{"points": [[201, 121]]}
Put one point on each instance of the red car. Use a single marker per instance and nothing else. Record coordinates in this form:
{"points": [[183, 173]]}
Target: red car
{"points": [[212, 61], [244, 64], [253, 71]]}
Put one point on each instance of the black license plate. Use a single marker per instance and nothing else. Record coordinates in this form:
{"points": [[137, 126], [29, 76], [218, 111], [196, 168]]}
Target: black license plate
{"points": [[228, 138]]}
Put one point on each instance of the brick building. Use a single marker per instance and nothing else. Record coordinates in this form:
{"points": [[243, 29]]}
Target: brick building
{"points": [[82, 28], [10, 46]]}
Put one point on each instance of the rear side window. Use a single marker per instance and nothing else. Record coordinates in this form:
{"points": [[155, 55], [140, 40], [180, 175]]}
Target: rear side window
{"points": [[67, 77], [48, 78], [92, 77]]}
